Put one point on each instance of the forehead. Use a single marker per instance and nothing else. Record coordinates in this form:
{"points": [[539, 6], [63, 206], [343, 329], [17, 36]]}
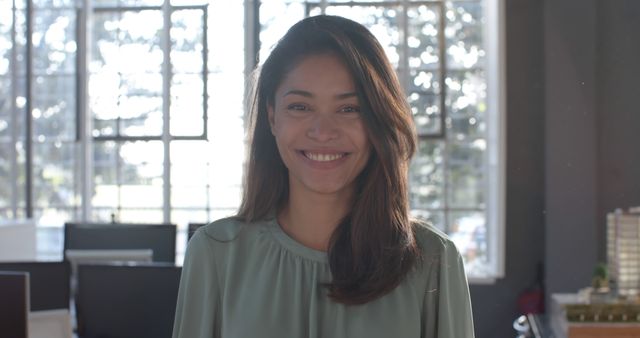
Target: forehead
{"points": [[319, 72]]}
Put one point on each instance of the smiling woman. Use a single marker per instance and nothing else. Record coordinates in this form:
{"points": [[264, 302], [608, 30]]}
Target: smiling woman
{"points": [[323, 245]]}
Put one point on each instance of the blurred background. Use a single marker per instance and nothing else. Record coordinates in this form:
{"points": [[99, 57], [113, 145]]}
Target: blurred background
{"points": [[133, 111]]}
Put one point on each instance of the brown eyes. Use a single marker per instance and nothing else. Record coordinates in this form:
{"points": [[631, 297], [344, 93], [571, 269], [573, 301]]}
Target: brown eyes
{"points": [[298, 107], [350, 109]]}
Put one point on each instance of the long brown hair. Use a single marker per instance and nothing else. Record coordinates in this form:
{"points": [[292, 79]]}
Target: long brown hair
{"points": [[373, 247]]}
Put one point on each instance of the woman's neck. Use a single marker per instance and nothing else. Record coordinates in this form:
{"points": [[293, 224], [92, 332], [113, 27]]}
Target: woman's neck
{"points": [[312, 218]]}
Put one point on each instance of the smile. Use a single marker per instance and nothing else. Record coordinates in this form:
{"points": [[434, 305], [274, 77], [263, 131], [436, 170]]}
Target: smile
{"points": [[323, 157]]}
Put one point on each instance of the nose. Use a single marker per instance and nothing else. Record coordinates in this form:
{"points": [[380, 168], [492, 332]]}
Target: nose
{"points": [[323, 129]]}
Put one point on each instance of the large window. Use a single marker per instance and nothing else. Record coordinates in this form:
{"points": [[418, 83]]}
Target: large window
{"points": [[132, 110], [442, 53], [38, 110], [165, 93], [135, 110]]}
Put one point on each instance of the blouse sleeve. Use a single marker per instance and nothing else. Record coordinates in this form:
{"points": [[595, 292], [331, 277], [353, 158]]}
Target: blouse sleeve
{"points": [[197, 310], [454, 316]]}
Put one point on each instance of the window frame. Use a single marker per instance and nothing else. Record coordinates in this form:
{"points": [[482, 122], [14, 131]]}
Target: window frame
{"points": [[166, 138]]}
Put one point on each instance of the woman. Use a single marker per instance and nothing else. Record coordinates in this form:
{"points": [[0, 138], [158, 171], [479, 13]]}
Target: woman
{"points": [[323, 245]]}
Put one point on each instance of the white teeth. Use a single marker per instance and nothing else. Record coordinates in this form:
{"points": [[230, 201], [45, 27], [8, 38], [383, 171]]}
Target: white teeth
{"points": [[323, 157]]}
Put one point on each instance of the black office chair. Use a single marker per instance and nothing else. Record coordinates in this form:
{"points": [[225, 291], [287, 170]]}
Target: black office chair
{"points": [[193, 227], [121, 301], [14, 307], [48, 283], [160, 238]]}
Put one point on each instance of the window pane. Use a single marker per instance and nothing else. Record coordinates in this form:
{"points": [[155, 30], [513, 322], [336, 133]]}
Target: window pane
{"points": [[103, 215], [467, 125], [105, 127], [140, 105], [53, 3], [466, 104], [123, 45], [465, 174], [50, 241], [185, 216], [125, 85], [190, 162], [127, 215], [189, 197], [128, 175], [190, 174], [434, 217], [275, 19], [464, 34], [5, 213], [426, 177], [54, 107], [423, 37], [187, 41], [6, 192], [226, 50], [141, 174], [6, 111], [187, 105], [337, 1], [6, 45], [225, 196], [426, 112], [425, 81], [381, 21], [468, 231], [54, 45], [54, 173], [125, 3], [133, 106], [105, 161], [54, 217]]}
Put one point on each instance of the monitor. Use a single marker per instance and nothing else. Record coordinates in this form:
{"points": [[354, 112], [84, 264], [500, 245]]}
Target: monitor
{"points": [[193, 227], [161, 238], [14, 307], [49, 283], [116, 300]]}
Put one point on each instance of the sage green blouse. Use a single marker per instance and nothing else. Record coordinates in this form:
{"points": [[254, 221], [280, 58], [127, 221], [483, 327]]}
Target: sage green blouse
{"points": [[253, 280]]}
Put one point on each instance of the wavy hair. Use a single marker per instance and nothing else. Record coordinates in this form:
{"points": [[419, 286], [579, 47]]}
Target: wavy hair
{"points": [[373, 248]]}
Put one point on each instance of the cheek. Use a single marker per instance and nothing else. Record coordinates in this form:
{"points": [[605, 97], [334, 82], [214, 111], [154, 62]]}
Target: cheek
{"points": [[362, 139], [282, 137]]}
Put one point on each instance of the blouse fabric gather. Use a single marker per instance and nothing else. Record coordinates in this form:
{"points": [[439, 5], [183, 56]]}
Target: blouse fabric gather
{"points": [[252, 280]]}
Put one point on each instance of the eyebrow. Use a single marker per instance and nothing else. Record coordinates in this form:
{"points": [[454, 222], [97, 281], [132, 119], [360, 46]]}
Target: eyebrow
{"points": [[308, 94]]}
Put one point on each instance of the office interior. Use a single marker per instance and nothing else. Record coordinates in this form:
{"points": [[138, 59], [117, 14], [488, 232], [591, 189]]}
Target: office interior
{"points": [[571, 147]]}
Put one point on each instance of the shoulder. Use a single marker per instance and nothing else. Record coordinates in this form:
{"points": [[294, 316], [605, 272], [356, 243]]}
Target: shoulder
{"points": [[227, 232], [431, 240], [437, 250], [223, 230], [440, 261], [213, 243]]}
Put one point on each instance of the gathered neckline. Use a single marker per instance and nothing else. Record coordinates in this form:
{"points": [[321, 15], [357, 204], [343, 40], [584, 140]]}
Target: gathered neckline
{"points": [[294, 246]]}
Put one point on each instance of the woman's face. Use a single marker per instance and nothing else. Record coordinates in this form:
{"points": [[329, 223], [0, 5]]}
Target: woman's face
{"points": [[318, 127]]}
